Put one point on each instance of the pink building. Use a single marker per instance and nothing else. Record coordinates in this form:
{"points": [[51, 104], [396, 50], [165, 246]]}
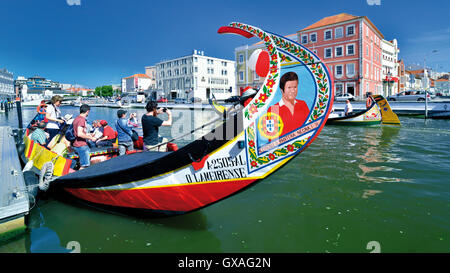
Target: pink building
{"points": [[351, 48]]}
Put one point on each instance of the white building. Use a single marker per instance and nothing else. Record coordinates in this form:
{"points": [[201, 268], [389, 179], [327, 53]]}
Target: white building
{"points": [[136, 83], [196, 75], [389, 64], [6, 84]]}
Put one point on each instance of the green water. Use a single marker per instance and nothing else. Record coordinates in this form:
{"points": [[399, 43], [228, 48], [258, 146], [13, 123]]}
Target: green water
{"points": [[353, 185]]}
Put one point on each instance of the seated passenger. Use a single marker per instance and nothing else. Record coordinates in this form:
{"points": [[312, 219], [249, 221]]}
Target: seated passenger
{"points": [[151, 124], [59, 144], [39, 135], [109, 135]]}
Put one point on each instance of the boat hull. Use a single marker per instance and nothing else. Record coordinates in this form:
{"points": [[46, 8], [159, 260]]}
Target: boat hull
{"points": [[371, 116]]}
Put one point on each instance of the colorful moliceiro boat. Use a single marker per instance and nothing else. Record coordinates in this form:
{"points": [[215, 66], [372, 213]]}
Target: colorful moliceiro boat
{"points": [[251, 142], [379, 112]]}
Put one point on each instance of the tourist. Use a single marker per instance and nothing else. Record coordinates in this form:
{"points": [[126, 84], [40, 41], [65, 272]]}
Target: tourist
{"points": [[39, 134], [151, 124], [41, 111], [109, 135], [53, 115], [348, 108], [124, 132], [80, 145]]}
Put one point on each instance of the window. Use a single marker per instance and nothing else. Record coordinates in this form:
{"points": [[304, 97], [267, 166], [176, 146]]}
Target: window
{"points": [[210, 61], [328, 52], [224, 63], [304, 38], [328, 34], [195, 69], [338, 32], [241, 76], [338, 71], [350, 70], [351, 49], [367, 50], [339, 88], [255, 76], [241, 58], [195, 59], [350, 30], [313, 37], [367, 70], [224, 72], [339, 51]]}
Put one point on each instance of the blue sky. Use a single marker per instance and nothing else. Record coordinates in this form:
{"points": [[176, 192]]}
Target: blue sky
{"points": [[97, 42]]}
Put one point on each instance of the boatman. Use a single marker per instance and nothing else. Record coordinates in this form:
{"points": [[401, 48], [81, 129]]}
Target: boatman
{"points": [[348, 108]]}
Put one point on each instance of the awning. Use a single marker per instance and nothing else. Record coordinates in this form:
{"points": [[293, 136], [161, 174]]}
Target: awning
{"points": [[390, 79]]}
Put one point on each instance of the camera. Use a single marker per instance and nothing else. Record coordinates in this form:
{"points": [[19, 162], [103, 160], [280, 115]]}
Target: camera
{"points": [[165, 109]]}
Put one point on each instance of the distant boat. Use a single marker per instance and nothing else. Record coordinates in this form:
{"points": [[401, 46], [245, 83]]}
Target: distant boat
{"points": [[439, 115], [379, 112]]}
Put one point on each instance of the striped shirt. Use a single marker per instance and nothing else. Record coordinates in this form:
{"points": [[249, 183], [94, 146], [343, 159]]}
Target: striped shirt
{"points": [[39, 136]]}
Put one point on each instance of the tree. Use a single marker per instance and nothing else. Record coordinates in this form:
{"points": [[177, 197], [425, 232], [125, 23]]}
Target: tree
{"points": [[104, 91]]}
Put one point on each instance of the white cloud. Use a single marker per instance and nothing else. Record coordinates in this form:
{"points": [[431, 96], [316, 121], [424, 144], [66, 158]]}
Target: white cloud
{"points": [[73, 2]]}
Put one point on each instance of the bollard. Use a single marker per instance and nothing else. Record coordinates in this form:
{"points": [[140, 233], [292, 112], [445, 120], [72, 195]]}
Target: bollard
{"points": [[19, 113]]}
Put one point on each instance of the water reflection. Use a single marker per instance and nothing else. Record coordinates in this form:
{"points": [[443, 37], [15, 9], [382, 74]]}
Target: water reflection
{"points": [[379, 156]]}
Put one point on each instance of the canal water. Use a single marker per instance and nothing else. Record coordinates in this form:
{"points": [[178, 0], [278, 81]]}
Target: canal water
{"points": [[355, 189]]}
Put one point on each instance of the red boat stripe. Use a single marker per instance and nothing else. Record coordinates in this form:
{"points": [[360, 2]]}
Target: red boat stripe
{"points": [[181, 198], [67, 166], [30, 148]]}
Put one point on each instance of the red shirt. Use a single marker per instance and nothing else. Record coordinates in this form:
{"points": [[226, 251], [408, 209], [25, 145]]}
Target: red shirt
{"points": [[109, 132], [79, 121], [291, 121]]}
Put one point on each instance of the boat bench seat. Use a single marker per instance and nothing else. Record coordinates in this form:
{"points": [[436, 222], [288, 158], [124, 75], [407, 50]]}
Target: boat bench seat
{"points": [[96, 151]]}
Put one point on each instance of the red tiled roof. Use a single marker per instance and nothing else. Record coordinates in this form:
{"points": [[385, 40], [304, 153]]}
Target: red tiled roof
{"points": [[419, 71], [138, 76], [332, 20], [340, 18]]}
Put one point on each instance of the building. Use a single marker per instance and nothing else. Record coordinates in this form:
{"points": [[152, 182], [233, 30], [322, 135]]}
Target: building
{"points": [[151, 72], [6, 85], [196, 75], [402, 77], [136, 83], [37, 88], [442, 86], [389, 64], [351, 48], [245, 76]]}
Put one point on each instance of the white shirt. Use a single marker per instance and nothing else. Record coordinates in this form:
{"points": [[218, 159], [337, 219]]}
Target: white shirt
{"points": [[348, 108], [55, 113]]}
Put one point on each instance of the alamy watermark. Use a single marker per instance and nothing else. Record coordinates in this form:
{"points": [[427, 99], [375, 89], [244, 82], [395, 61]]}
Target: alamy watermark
{"points": [[374, 246], [73, 2], [373, 2]]}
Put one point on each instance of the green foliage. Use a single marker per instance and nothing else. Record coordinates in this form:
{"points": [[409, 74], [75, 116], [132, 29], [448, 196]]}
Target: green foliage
{"points": [[104, 91]]}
